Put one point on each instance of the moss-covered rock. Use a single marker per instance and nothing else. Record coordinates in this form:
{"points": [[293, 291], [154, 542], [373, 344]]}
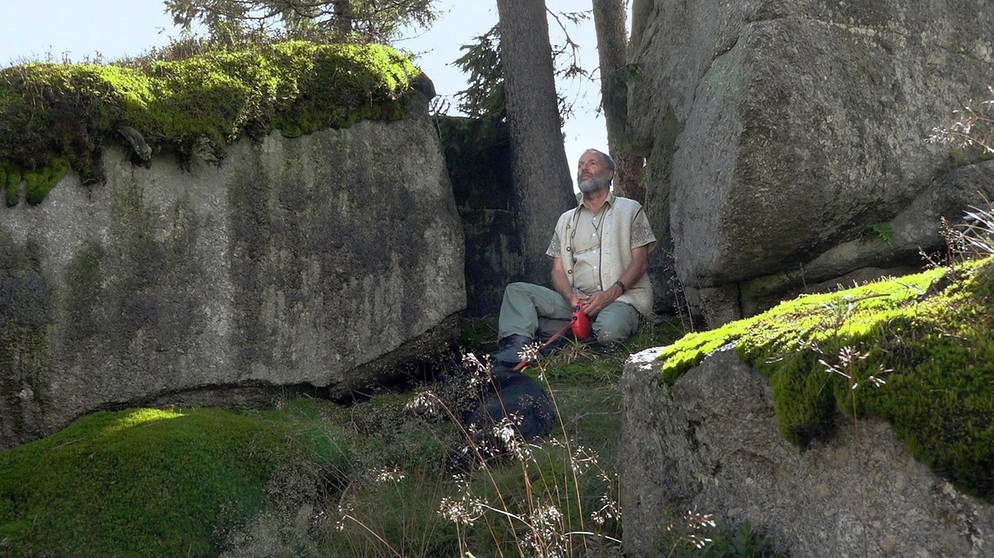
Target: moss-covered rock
{"points": [[60, 115], [926, 336], [154, 482]]}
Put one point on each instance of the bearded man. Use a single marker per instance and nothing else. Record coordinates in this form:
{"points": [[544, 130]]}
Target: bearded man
{"points": [[600, 253]]}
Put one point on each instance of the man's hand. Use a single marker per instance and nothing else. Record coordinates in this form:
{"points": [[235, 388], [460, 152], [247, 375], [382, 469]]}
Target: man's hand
{"points": [[635, 270], [594, 303]]}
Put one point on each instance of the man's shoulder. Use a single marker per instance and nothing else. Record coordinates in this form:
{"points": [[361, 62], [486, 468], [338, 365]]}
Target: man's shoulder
{"points": [[626, 203]]}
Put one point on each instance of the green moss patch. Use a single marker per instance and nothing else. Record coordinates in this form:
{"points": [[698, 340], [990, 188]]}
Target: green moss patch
{"points": [[195, 482], [60, 115], [143, 482], [928, 336]]}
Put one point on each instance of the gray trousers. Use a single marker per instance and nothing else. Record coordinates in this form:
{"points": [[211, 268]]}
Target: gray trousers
{"points": [[537, 312]]}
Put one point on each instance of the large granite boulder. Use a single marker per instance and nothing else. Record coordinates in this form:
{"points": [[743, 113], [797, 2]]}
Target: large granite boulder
{"points": [[318, 262], [786, 139], [711, 443]]}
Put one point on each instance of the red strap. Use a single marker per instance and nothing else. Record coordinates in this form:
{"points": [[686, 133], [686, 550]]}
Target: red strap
{"points": [[524, 362]]}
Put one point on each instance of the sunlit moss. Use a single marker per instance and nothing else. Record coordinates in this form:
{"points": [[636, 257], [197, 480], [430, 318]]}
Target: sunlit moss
{"points": [[62, 112], [138, 417], [927, 335], [39, 182], [146, 482]]}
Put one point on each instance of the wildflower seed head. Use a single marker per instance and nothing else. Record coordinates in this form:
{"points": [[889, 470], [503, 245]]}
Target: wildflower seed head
{"points": [[345, 511], [583, 459], [610, 509], [388, 475], [530, 351], [464, 510], [426, 402]]}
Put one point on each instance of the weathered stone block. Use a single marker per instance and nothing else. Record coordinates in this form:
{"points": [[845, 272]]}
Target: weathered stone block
{"points": [[319, 261], [778, 131]]}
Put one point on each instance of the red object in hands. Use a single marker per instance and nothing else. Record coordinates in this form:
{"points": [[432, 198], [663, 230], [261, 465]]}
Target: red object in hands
{"points": [[581, 324]]}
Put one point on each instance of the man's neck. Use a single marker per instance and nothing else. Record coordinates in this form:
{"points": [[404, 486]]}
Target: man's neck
{"points": [[594, 200]]}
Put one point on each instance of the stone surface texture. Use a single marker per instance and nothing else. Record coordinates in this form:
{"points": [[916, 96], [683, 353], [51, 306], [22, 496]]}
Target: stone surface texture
{"points": [[780, 134], [321, 262], [710, 443]]}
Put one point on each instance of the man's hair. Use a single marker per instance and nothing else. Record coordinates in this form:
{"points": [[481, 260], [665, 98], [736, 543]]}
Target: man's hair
{"points": [[608, 161]]}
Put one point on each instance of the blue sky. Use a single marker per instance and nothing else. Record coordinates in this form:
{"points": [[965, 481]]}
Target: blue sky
{"points": [[78, 30]]}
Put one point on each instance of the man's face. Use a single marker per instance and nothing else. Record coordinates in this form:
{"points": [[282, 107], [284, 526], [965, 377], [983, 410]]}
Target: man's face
{"points": [[592, 174]]}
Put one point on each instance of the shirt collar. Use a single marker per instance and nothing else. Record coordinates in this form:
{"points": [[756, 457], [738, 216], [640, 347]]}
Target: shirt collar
{"points": [[608, 201]]}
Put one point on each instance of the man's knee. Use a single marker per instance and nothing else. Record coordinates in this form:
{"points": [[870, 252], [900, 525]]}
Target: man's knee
{"points": [[516, 288], [515, 292], [609, 334], [614, 325]]}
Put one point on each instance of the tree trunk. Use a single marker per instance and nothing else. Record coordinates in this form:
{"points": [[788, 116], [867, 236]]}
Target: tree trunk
{"points": [[540, 173], [612, 43], [344, 16]]}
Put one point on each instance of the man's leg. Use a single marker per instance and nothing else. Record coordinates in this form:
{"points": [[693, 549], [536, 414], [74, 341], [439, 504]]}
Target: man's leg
{"points": [[518, 323], [522, 306], [615, 323]]}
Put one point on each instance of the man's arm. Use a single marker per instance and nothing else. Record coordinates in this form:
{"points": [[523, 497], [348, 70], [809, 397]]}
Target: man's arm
{"points": [[635, 270]]}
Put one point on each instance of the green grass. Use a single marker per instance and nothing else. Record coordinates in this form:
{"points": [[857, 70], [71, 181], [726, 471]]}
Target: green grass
{"points": [[311, 478], [307, 476]]}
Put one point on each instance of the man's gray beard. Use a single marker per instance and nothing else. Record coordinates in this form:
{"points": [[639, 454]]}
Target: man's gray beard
{"points": [[592, 185]]}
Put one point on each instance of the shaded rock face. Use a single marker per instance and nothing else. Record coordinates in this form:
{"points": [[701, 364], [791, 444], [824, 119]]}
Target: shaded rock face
{"points": [[478, 158], [779, 132], [321, 261], [712, 444]]}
